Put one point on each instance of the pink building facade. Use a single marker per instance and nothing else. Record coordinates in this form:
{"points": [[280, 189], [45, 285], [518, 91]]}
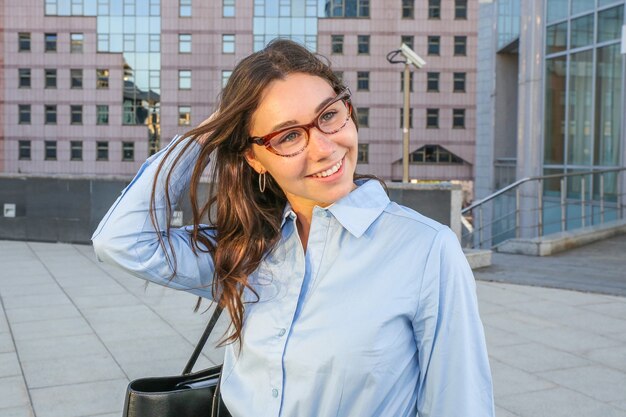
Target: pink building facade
{"points": [[127, 80]]}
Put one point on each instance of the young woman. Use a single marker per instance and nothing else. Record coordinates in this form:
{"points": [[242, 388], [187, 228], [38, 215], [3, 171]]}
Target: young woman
{"points": [[342, 302]]}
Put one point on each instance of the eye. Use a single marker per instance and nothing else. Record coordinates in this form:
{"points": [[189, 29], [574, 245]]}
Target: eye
{"points": [[328, 116], [289, 137]]}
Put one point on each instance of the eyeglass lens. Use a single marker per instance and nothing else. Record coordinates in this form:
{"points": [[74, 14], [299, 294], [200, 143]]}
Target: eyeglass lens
{"points": [[330, 120]]}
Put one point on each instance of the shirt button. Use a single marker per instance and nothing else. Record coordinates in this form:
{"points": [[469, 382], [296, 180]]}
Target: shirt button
{"points": [[274, 393], [282, 332]]}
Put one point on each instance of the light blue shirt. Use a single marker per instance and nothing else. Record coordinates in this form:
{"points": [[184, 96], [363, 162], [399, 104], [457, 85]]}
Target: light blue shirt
{"points": [[378, 318]]}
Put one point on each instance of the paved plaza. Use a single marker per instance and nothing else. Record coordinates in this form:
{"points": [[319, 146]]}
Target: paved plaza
{"points": [[74, 331]]}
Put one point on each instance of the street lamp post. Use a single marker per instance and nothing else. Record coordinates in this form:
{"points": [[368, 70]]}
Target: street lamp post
{"points": [[408, 57]]}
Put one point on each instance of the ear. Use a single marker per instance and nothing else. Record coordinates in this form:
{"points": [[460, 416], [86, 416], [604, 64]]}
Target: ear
{"points": [[253, 162]]}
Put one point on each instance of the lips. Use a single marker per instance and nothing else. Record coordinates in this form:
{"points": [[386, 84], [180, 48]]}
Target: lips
{"points": [[328, 172]]}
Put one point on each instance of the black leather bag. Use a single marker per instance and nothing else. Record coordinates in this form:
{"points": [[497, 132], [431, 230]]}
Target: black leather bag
{"points": [[192, 394]]}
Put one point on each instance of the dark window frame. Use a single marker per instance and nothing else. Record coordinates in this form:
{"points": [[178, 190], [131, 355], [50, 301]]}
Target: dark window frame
{"points": [[460, 45], [363, 81], [363, 116], [24, 114], [50, 150], [458, 118], [336, 44], [434, 45], [50, 41], [363, 44], [24, 150], [432, 118], [76, 114], [76, 150], [50, 113], [432, 81], [23, 42], [102, 150], [24, 77], [459, 82]]}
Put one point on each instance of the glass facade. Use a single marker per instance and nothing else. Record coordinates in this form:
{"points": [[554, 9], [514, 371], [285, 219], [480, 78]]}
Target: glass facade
{"points": [[583, 100], [291, 19], [132, 28], [508, 21]]}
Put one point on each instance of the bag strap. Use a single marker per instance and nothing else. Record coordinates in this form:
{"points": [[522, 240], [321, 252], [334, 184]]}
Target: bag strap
{"points": [[205, 336]]}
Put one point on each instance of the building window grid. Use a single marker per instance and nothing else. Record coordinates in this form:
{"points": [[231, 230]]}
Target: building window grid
{"points": [[24, 150], [76, 43], [128, 151], [407, 40], [460, 45], [184, 79], [102, 78], [76, 114], [363, 81], [363, 44], [458, 82], [225, 77], [336, 44], [76, 78], [434, 9], [363, 153], [102, 151], [434, 45], [129, 8], [50, 42], [184, 8], [184, 43], [184, 115], [342, 8], [50, 75], [24, 114], [24, 77], [460, 9], [363, 116], [23, 41], [408, 9], [410, 81], [155, 7], [458, 118], [228, 8], [432, 118], [50, 114], [434, 154], [51, 7], [228, 44], [77, 7], [410, 118], [50, 150], [102, 114], [432, 82], [76, 150], [154, 42]]}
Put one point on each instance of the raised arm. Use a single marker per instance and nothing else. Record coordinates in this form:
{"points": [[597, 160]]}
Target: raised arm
{"points": [[126, 236], [455, 379]]}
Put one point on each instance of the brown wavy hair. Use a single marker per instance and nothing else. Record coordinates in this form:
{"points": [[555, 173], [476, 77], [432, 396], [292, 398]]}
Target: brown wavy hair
{"points": [[246, 221]]}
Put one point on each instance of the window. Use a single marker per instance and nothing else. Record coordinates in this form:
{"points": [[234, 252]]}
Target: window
{"points": [[50, 150], [336, 44], [76, 43], [129, 42], [459, 82], [228, 44], [434, 9], [432, 81], [103, 42], [225, 77], [102, 114], [432, 118], [24, 150], [76, 150], [460, 45], [50, 41], [24, 77], [76, 114], [410, 118], [458, 118], [460, 9], [23, 42], [23, 114], [102, 79], [363, 153], [408, 9], [363, 116], [184, 79], [50, 114], [228, 8], [102, 151], [347, 8], [434, 154], [184, 115], [50, 78], [128, 151], [363, 81], [76, 78], [402, 81], [155, 42], [184, 8], [184, 43], [407, 40], [433, 45], [363, 42]]}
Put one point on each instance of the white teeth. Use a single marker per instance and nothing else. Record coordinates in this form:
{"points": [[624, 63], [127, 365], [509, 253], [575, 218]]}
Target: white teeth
{"points": [[329, 171]]}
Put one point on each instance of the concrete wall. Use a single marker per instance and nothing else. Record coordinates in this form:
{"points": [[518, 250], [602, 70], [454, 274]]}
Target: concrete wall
{"points": [[68, 210]]}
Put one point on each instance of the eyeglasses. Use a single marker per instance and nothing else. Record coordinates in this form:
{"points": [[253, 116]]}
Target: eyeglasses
{"points": [[291, 141]]}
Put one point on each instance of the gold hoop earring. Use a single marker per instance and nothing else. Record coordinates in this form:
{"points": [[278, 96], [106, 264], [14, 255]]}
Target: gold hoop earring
{"points": [[262, 182]]}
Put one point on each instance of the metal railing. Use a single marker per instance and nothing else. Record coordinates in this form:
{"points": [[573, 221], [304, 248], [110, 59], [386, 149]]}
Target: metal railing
{"points": [[536, 206]]}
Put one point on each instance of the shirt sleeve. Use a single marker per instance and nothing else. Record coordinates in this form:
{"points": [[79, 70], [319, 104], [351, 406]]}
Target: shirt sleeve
{"points": [[455, 378], [127, 238]]}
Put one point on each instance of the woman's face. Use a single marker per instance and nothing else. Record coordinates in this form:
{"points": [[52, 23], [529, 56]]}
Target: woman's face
{"points": [[307, 179]]}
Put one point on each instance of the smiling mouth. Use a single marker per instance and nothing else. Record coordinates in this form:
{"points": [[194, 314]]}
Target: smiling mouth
{"points": [[330, 171]]}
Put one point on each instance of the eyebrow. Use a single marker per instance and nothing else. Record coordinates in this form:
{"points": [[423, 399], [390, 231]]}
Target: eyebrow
{"points": [[288, 123]]}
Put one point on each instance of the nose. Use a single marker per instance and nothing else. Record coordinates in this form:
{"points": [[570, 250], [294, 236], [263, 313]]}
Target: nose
{"points": [[321, 145]]}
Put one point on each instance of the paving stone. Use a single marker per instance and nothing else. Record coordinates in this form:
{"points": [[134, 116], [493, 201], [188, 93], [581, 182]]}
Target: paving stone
{"points": [[24, 411], [106, 300], [508, 380], [50, 328], [9, 365], [615, 309], [575, 341], [6, 342], [535, 357], [499, 337], [501, 412], [38, 313], [14, 393], [70, 370], [612, 357], [60, 347], [90, 398], [598, 382], [36, 300]]}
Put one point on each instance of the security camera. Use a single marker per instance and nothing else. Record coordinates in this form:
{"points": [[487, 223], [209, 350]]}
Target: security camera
{"points": [[411, 56]]}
